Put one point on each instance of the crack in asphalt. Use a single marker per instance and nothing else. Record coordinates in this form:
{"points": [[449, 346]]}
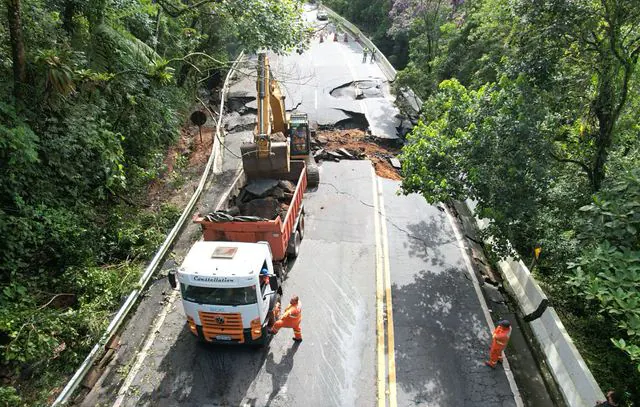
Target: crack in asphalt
{"points": [[406, 232]]}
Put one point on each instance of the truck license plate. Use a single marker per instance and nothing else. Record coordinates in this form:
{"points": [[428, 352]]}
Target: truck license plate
{"points": [[223, 337]]}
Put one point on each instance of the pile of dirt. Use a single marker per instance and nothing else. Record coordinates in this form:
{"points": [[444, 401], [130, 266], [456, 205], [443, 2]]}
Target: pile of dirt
{"points": [[355, 144]]}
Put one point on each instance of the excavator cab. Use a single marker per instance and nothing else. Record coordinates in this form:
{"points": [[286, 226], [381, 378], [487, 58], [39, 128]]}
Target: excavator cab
{"points": [[300, 135]]}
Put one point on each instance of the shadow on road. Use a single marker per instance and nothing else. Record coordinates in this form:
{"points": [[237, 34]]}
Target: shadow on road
{"points": [[426, 240], [441, 343], [196, 374]]}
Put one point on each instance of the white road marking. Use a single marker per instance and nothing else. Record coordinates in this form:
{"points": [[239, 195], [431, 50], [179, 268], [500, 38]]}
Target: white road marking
{"points": [[483, 304], [145, 349], [142, 355]]}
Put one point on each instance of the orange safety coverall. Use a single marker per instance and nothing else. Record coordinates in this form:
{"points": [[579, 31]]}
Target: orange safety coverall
{"points": [[291, 319], [498, 344]]}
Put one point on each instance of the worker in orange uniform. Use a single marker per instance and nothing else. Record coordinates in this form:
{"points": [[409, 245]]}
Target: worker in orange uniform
{"points": [[499, 342], [290, 319]]}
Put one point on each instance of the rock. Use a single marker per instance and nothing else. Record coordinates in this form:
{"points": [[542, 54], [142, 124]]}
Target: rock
{"points": [[264, 208], [287, 186], [261, 187], [283, 211], [277, 193], [395, 163]]}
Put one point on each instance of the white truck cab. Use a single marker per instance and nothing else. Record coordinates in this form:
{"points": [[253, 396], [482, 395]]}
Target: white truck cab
{"points": [[226, 299]]}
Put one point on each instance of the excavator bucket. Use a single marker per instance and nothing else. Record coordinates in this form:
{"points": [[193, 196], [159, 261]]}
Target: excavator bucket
{"points": [[277, 162]]}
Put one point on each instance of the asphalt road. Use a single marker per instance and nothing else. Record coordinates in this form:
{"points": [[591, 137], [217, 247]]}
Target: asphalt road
{"points": [[441, 335]]}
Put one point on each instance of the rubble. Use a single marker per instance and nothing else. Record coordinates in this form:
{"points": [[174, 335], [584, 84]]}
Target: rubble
{"points": [[355, 144]]}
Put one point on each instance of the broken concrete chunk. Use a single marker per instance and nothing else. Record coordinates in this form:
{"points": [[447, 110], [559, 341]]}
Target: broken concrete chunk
{"points": [[334, 155], [321, 139], [345, 153], [277, 193], [395, 163], [287, 186], [264, 208], [319, 154], [261, 187]]}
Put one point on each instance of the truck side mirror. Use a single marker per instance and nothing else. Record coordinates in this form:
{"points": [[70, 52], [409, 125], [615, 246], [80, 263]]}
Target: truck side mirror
{"points": [[273, 283], [172, 279]]}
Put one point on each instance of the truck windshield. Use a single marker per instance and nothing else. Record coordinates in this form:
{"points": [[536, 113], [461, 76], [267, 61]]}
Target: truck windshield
{"points": [[219, 296]]}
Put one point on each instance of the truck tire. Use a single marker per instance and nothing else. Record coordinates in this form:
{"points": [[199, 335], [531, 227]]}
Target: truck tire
{"points": [[293, 249], [278, 269], [301, 226]]}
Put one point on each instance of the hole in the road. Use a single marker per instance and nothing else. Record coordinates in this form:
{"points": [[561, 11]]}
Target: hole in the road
{"points": [[362, 89], [238, 104], [355, 120]]}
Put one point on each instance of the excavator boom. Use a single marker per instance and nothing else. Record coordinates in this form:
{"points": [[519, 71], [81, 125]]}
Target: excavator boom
{"points": [[269, 153]]}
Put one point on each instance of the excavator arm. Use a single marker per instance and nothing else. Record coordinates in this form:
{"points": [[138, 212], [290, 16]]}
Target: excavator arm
{"points": [[269, 153]]}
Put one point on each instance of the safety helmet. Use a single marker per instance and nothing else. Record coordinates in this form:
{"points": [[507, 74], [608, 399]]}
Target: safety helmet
{"points": [[504, 323], [264, 271]]}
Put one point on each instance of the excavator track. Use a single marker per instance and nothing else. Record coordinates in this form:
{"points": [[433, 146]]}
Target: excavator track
{"points": [[313, 172]]}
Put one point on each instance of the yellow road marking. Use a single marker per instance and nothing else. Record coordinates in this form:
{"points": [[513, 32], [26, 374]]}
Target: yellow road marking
{"points": [[391, 353], [379, 298]]}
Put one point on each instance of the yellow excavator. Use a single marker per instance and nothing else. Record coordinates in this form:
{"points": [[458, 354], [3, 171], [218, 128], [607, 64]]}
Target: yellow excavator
{"points": [[279, 137]]}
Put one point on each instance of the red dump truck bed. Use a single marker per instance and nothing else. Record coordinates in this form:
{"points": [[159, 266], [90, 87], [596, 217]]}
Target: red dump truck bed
{"points": [[278, 232]]}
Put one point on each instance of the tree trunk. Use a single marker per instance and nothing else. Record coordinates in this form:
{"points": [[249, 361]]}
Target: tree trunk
{"points": [[17, 48]]}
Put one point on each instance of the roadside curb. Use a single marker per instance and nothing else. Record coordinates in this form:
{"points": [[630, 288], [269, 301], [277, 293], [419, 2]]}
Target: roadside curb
{"points": [[572, 377]]}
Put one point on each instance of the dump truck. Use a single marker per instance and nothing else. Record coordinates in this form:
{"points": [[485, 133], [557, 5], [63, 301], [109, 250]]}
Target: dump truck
{"points": [[231, 282], [283, 232], [226, 295]]}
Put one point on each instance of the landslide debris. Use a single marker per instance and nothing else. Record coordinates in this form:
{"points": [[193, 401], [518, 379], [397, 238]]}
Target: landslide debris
{"points": [[355, 144], [262, 199]]}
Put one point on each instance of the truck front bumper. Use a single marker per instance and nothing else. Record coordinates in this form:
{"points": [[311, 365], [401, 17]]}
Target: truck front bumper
{"points": [[247, 338]]}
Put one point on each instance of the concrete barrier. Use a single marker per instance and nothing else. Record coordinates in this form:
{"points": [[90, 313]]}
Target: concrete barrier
{"points": [[575, 381], [388, 69]]}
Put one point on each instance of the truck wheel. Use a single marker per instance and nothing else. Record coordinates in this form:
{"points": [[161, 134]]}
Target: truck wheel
{"points": [[301, 226], [278, 269], [294, 245]]}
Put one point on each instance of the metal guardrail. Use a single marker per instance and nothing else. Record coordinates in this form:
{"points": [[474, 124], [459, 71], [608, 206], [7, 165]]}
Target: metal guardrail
{"points": [[122, 313]]}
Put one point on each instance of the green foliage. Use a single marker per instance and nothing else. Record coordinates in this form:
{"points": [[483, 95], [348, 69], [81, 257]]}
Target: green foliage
{"points": [[458, 151], [540, 128], [608, 269], [9, 397], [108, 86]]}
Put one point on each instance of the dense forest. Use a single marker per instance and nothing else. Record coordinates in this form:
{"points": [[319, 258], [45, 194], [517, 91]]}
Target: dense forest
{"points": [[93, 93], [532, 109]]}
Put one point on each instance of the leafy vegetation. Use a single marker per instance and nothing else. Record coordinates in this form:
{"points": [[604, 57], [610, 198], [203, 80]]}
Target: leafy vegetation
{"points": [[99, 91], [531, 109]]}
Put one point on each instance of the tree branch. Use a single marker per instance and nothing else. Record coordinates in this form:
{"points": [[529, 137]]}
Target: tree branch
{"points": [[177, 12], [582, 165]]}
